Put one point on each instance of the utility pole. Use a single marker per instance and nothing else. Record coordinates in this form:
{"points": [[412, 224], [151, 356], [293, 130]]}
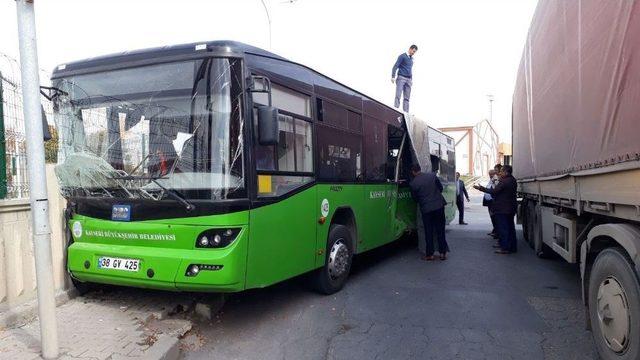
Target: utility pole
{"points": [[40, 228]]}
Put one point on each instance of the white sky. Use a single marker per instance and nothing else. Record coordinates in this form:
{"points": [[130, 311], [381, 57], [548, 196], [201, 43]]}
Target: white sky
{"points": [[467, 48]]}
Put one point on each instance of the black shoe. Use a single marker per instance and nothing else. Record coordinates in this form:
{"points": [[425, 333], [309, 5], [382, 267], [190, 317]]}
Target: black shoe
{"points": [[463, 223]]}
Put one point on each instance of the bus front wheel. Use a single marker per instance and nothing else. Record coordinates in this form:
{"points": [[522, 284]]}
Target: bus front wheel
{"points": [[333, 275]]}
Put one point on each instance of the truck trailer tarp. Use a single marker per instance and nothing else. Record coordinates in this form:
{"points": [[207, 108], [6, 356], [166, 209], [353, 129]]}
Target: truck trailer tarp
{"points": [[576, 104]]}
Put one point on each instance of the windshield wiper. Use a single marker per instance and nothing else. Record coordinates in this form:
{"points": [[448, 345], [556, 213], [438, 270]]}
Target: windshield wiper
{"points": [[172, 193]]}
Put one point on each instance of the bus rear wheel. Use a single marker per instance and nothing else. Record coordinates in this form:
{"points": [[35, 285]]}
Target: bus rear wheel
{"points": [[614, 306], [333, 275]]}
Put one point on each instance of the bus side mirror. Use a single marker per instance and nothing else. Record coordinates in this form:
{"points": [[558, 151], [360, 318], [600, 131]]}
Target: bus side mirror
{"points": [[46, 133], [268, 125]]}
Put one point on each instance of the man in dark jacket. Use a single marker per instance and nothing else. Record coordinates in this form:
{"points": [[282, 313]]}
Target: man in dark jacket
{"points": [[426, 190], [461, 193], [504, 208]]}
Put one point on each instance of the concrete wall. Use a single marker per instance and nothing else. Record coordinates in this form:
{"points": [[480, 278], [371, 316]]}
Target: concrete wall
{"points": [[17, 267]]}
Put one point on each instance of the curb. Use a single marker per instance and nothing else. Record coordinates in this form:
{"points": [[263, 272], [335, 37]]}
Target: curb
{"points": [[165, 348]]}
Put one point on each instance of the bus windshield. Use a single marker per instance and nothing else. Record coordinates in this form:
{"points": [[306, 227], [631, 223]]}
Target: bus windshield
{"points": [[140, 132]]}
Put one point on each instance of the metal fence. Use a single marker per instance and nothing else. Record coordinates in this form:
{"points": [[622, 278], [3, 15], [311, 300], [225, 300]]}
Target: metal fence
{"points": [[14, 183]]}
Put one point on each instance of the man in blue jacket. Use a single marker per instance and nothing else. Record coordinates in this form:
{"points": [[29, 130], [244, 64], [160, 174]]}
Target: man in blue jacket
{"points": [[403, 82]]}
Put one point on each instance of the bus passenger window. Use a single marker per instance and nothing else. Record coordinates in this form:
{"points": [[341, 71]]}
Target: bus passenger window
{"points": [[264, 158], [435, 164], [339, 155], [286, 144], [289, 164], [304, 146], [394, 143]]}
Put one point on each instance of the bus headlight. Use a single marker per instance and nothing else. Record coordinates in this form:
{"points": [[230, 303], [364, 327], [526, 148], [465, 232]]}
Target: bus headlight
{"points": [[203, 241], [195, 269], [216, 238]]}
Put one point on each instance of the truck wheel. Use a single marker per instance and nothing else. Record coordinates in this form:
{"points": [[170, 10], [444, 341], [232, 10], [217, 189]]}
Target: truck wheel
{"points": [[333, 275], [614, 306]]}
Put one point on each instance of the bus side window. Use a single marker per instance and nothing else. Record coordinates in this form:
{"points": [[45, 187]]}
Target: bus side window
{"points": [[375, 146], [339, 154], [435, 164], [284, 167], [394, 142]]}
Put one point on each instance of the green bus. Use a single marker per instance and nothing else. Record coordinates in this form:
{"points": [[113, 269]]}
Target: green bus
{"points": [[222, 167]]}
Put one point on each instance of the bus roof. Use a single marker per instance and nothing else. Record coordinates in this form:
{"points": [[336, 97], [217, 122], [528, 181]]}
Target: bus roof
{"points": [[161, 51], [144, 56]]}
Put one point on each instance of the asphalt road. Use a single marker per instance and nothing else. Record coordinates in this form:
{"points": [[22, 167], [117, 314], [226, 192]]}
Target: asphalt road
{"points": [[475, 305]]}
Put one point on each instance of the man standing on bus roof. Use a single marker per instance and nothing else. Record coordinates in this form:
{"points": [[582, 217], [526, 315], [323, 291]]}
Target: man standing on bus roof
{"points": [[426, 190], [403, 68]]}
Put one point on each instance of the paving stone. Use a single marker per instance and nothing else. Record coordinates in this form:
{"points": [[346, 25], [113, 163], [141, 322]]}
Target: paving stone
{"points": [[100, 325]]}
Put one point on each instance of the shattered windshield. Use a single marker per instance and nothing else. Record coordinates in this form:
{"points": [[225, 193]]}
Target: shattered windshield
{"points": [[140, 132]]}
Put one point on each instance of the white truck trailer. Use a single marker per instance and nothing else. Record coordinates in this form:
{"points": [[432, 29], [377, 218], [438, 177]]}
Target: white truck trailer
{"points": [[576, 153]]}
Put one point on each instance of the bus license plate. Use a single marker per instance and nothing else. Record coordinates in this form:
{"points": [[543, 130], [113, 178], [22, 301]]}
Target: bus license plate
{"points": [[106, 262]]}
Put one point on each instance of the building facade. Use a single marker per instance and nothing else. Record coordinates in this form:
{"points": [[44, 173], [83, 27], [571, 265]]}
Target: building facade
{"points": [[477, 148]]}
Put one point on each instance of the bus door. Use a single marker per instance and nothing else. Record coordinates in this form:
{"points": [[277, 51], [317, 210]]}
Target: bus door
{"points": [[400, 207], [283, 220], [403, 209], [375, 222]]}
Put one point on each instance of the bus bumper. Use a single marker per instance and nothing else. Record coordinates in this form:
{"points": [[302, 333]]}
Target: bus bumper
{"points": [[163, 268]]}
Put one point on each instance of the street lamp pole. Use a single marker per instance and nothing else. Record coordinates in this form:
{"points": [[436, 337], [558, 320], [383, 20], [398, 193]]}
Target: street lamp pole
{"points": [[266, 10], [40, 229]]}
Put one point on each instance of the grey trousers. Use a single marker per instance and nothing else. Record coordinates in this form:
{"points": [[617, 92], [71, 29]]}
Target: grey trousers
{"points": [[403, 87]]}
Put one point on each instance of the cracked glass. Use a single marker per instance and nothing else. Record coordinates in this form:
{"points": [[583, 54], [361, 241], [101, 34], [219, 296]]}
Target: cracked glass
{"points": [[141, 132]]}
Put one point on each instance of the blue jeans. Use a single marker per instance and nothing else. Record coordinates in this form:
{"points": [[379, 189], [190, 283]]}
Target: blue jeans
{"points": [[403, 87], [506, 228]]}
